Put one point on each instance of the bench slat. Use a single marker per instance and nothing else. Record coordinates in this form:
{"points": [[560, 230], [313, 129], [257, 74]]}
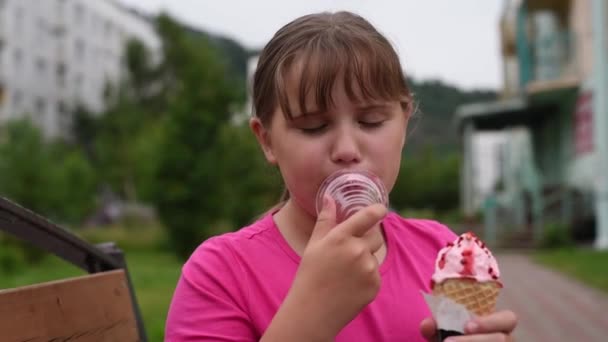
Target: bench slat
{"points": [[94, 307]]}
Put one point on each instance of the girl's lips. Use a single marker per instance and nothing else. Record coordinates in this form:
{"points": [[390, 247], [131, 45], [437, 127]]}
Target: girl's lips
{"points": [[352, 191]]}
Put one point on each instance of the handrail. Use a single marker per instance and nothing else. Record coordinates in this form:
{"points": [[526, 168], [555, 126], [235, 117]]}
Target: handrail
{"points": [[42, 233]]}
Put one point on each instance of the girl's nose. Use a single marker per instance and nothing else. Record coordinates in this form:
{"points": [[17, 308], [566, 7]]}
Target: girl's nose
{"points": [[345, 149]]}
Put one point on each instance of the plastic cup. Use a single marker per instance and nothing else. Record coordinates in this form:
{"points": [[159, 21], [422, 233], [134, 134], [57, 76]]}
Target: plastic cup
{"points": [[352, 191]]}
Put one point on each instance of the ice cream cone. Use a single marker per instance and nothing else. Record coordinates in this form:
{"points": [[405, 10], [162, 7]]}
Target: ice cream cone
{"points": [[478, 297]]}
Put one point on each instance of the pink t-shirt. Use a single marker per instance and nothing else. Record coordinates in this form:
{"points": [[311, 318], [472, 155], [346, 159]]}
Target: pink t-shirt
{"points": [[233, 284]]}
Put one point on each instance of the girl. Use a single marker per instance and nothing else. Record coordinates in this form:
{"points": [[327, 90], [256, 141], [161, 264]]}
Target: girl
{"points": [[329, 94]]}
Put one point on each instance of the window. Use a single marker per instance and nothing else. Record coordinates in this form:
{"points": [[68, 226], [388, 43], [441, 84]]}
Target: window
{"points": [[40, 66], [78, 14], [18, 58], [42, 25], [62, 108], [78, 81], [79, 49], [61, 72], [19, 17], [107, 28], [40, 106], [17, 100]]}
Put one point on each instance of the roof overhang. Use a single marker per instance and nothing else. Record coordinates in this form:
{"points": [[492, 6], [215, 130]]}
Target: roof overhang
{"points": [[523, 110]]}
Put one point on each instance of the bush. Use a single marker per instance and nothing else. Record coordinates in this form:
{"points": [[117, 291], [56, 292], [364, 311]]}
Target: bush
{"points": [[12, 259], [16, 254], [428, 181], [128, 238], [418, 213], [47, 177], [556, 235]]}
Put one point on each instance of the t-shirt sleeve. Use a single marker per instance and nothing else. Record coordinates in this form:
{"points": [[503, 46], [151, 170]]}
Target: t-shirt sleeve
{"points": [[444, 233], [209, 303]]}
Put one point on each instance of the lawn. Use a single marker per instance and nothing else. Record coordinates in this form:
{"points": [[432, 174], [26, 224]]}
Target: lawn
{"points": [[154, 272], [587, 265]]}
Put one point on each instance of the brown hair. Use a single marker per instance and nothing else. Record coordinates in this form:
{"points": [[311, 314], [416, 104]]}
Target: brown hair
{"points": [[328, 46], [325, 47]]}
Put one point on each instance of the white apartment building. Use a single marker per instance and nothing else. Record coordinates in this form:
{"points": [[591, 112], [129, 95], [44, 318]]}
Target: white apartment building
{"points": [[56, 54]]}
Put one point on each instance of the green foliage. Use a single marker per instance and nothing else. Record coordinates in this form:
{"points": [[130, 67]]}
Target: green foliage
{"points": [[234, 55], [418, 213], [556, 235], [12, 258], [121, 142], [250, 185], [428, 181], [189, 181], [584, 264], [130, 238], [47, 177], [433, 122]]}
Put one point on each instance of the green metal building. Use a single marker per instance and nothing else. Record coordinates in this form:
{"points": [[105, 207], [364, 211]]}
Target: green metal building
{"points": [[551, 159]]}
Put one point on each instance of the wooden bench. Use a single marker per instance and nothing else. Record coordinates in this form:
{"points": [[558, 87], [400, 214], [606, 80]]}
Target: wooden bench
{"points": [[100, 306]]}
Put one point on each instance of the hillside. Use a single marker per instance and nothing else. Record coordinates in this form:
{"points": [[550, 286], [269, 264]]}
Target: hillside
{"points": [[433, 124]]}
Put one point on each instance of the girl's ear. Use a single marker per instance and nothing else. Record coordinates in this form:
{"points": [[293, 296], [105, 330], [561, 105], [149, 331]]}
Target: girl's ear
{"points": [[263, 137]]}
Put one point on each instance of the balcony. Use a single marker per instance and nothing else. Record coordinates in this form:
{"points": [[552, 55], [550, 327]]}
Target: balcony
{"points": [[553, 63], [548, 46]]}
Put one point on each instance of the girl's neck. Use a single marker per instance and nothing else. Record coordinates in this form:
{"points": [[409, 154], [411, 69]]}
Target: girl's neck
{"points": [[295, 225]]}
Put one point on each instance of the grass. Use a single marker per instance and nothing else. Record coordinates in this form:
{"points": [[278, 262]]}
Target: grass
{"points": [[154, 271], [587, 265]]}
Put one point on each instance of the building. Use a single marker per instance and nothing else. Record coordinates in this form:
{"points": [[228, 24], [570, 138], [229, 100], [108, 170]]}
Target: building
{"points": [[57, 54], [551, 65]]}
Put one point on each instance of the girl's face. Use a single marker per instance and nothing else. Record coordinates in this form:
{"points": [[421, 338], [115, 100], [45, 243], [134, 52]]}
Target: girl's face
{"points": [[354, 136]]}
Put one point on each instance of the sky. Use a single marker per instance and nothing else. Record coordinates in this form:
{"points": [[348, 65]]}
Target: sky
{"points": [[455, 41]]}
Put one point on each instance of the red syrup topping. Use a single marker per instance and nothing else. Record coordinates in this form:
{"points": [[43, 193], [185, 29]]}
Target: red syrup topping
{"points": [[442, 261], [467, 263]]}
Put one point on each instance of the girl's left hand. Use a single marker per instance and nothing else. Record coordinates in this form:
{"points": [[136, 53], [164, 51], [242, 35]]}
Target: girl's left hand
{"points": [[494, 327]]}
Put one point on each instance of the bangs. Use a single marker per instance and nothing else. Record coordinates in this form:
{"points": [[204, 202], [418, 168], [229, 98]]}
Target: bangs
{"points": [[369, 69]]}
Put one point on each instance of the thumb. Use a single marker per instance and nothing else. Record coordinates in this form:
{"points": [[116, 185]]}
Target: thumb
{"points": [[326, 219], [428, 328]]}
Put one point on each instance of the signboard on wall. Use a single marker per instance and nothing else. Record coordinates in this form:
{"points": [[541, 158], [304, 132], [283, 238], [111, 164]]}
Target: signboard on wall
{"points": [[583, 123]]}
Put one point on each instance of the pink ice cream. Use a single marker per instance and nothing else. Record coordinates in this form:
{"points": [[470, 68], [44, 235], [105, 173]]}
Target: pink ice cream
{"points": [[466, 257]]}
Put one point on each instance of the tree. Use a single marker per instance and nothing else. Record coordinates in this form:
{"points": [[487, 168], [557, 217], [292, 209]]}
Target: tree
{"points": [[251, 186], [428, 181], [189, 181], [48, 177], [114, 139]]}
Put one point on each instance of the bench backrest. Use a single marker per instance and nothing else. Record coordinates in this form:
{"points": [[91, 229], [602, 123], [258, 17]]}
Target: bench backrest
{"points": [[94, 307], [101, 306]]}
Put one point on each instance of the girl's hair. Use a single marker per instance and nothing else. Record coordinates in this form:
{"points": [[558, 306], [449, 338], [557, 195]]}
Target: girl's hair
{"points": [[325, 48]]}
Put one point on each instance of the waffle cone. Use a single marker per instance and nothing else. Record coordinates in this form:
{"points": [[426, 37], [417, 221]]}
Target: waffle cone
{"points": [[478, 297]]}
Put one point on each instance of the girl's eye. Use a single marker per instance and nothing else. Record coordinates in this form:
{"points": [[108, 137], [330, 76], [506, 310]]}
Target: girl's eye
{"points": [[371, 124], [314, 130]]}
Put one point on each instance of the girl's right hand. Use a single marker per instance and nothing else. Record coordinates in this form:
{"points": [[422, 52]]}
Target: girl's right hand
{"points": [[338, 275]]}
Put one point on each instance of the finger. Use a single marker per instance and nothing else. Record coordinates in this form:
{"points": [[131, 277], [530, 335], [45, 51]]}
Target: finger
{"points": [[363, 220], [428, 329], [326, 219], [501, 321], [496, 337], [373, 240]]}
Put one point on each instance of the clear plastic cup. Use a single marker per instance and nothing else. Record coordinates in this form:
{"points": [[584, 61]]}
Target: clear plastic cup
{"points": [[352, 191]]}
